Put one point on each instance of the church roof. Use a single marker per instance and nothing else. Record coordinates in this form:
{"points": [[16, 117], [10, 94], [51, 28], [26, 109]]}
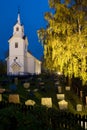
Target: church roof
{"points": [[29, 52], [24, 37]]}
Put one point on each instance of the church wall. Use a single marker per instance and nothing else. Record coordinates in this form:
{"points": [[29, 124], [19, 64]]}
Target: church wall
{"points": [[16, 51], [37, 67], [16, 54], [25, 64], [33, 65], [30, 65]]}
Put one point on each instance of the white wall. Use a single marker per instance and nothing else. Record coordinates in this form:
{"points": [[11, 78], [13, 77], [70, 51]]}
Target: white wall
{"points": [[16, 51], [30, 64], [33, 65], [37, 67]]}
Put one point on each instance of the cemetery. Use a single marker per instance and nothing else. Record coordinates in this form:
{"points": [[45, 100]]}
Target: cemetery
{"points": [[23, 98]]}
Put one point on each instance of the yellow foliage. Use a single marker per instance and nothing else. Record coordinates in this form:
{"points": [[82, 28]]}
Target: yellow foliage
{"points": [[65, 47]]}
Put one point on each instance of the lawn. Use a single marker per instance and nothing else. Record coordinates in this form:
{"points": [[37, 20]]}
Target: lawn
{"points": [[45, 86], [38, 117]]}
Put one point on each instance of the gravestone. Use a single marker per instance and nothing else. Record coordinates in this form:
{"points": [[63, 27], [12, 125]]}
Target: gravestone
{"points": [[59, 89], [28, 90], [26, 85], [47, 102], [57, 83], [63, 105], [41, 83], [14, 98], [30, 103], [79, 107], [60, 96], [67, 88], [2, 90], [0, 97], [35, 90]]}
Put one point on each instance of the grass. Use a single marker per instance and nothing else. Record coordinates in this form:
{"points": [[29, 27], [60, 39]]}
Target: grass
{"points": [[47, 90]]}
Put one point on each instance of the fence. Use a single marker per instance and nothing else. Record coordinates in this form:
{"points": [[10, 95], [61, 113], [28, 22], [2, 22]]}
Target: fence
{"points": [[58, 119]]}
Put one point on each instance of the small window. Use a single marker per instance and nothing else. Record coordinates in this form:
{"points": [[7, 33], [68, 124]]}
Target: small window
{"points": [[16, 44], [17, 29]]}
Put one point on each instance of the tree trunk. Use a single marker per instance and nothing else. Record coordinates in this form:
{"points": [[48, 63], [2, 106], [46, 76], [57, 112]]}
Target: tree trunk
{"points": [[69, 81]]}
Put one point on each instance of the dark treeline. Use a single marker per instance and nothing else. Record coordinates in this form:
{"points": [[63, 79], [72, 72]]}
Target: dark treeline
{"points": [[3, 67]]}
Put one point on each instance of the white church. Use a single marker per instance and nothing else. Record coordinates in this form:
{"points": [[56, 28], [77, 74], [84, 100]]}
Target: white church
{"points": [[20, 61]]}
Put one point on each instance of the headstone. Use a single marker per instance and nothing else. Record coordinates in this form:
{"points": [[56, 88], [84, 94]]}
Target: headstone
{"points": [[67, 88], [35, 90], [28, 90], [29, 103], [14, 98], [47, 102], [61, 96], [0, 97], [2, 90], [57, 83], [26, 85], [63, 105], [59, 89], [41, 83], [79, 107]]}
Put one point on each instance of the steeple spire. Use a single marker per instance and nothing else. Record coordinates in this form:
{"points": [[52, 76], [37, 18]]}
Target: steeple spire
{"points": [[18, 19]]}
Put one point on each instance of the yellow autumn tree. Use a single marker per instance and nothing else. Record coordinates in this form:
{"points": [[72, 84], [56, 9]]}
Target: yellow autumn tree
{"points": [[65, 40]]}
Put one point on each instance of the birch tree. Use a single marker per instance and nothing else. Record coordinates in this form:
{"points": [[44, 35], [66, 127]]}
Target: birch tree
{"points": [[65, 39]]}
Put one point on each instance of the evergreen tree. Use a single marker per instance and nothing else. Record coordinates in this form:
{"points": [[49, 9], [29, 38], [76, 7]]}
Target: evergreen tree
{"points": [[2, 67], [65, 39]]}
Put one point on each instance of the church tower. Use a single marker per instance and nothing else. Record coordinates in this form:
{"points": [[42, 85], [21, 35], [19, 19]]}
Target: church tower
{"points": [[18, 45]]}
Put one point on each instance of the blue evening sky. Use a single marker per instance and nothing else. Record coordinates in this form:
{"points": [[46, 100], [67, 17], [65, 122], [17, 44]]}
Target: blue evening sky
{"points": [[32, 17]]}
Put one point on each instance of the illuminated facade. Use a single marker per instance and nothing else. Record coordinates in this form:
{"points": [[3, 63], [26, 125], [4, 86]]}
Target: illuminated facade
{"points": [[20, 61]]}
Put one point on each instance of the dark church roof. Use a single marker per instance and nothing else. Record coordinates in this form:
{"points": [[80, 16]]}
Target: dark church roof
{"points": [[24, 37]]}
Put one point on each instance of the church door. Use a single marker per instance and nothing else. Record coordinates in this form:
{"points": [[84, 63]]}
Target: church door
{"points": [[16, 68]]}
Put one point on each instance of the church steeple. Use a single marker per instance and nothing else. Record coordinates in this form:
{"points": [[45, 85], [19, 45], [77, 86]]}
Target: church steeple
{"points": [[18, 28], [18, 18]]}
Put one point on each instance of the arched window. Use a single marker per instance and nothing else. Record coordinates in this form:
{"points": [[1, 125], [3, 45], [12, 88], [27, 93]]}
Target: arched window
{"points": [[16, 44], [17, 29]]}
